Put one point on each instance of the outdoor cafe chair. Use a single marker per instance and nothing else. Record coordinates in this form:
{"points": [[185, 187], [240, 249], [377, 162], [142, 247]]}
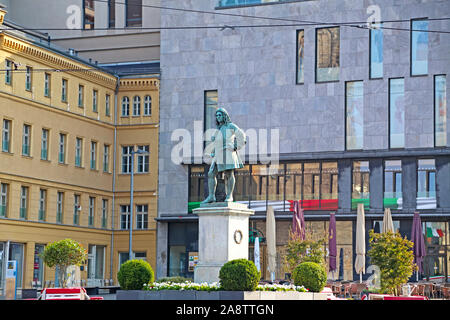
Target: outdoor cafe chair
{"points": [[430, 290], [347, 289], [357, 288], [336, 288], [420, 289]]}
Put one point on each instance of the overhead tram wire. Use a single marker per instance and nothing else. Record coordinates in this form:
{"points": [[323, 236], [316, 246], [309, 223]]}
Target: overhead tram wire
{"points": [[304, 22], [345, 24]]}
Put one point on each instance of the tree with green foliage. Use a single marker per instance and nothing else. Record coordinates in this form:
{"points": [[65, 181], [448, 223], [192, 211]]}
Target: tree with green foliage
{"points": [[63, 254], [298, 251], [394, 256]]}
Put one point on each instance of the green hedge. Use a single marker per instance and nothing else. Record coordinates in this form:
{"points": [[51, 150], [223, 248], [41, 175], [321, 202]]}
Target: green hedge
{"points": [[239, 275], [133, 274], [311, 275]]}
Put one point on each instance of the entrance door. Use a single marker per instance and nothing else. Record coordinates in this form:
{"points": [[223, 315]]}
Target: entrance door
{"points": [[96, 263]]}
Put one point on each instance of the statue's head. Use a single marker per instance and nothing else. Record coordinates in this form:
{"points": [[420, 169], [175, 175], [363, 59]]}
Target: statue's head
{"points": [[222, 117]]}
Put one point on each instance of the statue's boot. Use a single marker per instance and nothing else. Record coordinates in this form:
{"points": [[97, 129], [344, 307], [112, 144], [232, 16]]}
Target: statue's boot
{"points": [[229, 198], [212, 182], [209, 199]]}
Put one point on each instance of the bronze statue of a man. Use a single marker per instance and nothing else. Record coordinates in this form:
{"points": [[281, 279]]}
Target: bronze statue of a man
{"points": [[226, 142]]}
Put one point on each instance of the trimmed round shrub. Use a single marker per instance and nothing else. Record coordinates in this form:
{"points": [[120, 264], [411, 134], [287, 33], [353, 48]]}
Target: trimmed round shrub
{"points": [[133, 274], [311, 275], [239, 275]]}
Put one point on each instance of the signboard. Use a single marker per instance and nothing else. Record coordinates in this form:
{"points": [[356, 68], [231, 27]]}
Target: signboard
{"points": [[193, 260], [11, 280]]}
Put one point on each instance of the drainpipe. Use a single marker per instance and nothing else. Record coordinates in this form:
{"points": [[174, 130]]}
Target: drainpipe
{"points": [[116, 91]]}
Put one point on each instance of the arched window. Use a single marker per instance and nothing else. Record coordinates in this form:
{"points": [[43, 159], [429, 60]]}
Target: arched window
{"points": [[125, 107], [147, 106], [136, 106]]}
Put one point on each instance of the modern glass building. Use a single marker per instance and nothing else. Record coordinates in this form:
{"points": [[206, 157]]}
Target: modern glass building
{"points": [[360, 114]]}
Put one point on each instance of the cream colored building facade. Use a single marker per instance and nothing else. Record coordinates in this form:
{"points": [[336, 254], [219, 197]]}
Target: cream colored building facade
{"points": [[65, 162]]}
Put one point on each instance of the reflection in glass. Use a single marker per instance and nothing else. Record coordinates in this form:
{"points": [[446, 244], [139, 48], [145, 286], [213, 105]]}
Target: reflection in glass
{"points": [[426, 184], [440, 111], [329, 185], [311, 186], [134, 13], [293, 181], [300, 55], [397, 113], [376, 52], [242, 186], [355, 114], [258, 187], [112, 13], [196, 184], [210, 109], [378, 226], [275, 188], [360, 184], [89, 14], [393, 184], [327, 68], [419, 47], [177, 261]]}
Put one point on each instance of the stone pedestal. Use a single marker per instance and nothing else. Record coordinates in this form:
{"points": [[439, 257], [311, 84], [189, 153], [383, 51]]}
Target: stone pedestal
{"points": [[222, 236]]}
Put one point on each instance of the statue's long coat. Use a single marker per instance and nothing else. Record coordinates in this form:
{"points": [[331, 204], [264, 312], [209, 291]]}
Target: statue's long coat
{"points": [[227, 140]]}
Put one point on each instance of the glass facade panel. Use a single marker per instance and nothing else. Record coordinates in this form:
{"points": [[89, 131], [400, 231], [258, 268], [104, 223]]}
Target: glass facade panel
{"points": [[314, 184], [211, 105], [378, 226], [329, 186], [294, 182], [38, 266], [242, 186], [419, 47], [354, 102], [16, 253], [111, 13], [258, 187], [89, 14], [440, 111], [311, 186], [134, 13], [396, 113], [183, 244], [426, 184], [376, 52], [275, 188], [300, 55], [360, 184], [327, 59], [393, 184]]}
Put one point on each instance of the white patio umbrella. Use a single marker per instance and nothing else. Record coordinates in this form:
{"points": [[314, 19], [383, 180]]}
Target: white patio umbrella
{"points": [[271, 242], [360, 262], [256, 254], [388, 225]]}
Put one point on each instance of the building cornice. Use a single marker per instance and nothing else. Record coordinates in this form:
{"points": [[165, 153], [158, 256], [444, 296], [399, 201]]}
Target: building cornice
{"points": [[139, 84], [56, 61]]}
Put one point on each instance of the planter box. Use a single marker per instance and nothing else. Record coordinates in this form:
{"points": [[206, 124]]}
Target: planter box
{"points": [[217, 295]]}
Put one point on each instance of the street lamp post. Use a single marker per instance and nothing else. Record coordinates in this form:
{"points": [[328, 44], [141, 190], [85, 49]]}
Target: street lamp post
{"points": [[130, 249]]}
